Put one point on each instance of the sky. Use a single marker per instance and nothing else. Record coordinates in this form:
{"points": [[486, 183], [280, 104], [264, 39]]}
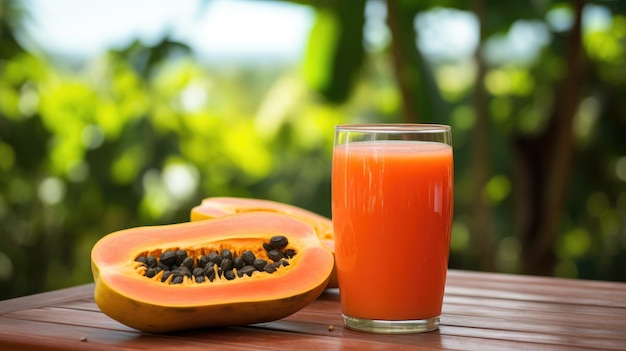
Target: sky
{"points": [[213, 28], [84, 28], [265, 29]]}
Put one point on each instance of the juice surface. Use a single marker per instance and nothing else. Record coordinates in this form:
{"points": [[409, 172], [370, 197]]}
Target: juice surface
{"points": [[392, 211]]}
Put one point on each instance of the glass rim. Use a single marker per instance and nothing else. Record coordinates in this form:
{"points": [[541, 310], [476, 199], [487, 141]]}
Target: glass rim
{"points": [[393, 128]]}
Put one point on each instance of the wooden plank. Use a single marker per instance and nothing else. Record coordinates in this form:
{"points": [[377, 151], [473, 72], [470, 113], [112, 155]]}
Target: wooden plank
{"points": [[503, 326], [84, 305], [599, 324], [531, 331], [533, 338], [490, 318], [69, 317], [482, 311], [571, 314], [556, 329], [531, 288], [478, 302], [312, 333], [47, 298], [28, 335], [73, 319], [530, 283], [448, 338], [269, 336], [567, 297]]}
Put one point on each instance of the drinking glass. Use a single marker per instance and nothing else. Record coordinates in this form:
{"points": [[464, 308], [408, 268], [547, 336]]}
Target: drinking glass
{"points": [[392, 206]]}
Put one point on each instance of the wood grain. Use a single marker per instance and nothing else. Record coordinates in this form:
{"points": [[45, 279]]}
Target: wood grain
{"points": [[482, 311]]}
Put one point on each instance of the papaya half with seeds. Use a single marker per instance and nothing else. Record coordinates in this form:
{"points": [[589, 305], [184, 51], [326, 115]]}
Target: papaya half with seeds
{"points": [[294, 271], [214, 207]]}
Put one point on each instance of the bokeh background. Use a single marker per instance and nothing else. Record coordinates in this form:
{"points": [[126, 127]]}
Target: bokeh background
{"points": [[116, 114]]}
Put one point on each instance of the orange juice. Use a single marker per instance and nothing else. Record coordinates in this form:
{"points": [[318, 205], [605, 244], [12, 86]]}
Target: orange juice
{"points": [[392, 204]]}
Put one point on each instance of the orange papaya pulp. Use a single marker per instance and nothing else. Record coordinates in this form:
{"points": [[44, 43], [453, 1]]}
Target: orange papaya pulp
{"points": [[214, 207], [124, 293]]}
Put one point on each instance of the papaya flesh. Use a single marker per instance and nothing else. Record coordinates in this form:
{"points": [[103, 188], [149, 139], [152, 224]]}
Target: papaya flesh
{"points": [[214, 207], [125, 293]]}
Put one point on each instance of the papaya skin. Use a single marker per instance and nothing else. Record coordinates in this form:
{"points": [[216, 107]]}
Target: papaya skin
{"points": [[152, 306], [215, 207]]}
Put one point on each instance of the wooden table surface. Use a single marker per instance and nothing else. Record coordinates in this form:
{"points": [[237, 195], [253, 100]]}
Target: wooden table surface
{"points": [[482, 311]]}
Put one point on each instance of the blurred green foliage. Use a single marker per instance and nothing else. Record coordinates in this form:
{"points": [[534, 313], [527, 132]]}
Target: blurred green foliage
{"points": [[140, 135]]}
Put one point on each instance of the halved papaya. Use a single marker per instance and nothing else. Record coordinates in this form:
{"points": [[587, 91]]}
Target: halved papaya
{"points": [[214, 207], [156, 302]]}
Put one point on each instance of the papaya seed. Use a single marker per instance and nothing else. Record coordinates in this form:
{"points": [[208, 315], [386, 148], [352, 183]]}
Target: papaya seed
{"points": [[214, 258], [267, 246], [151, 261], [281, 263], [198, 272], [248, 257], [166, 274], [275, 255], [269, 268], [227, 254], [238, 262], [247, 270], [202, 261], [259, 264], [227, 264], [150, 272], [168, 258], [211, 264], [180, 256], [187, 262], [279, 242], [208, 270], [183, 271], [229, 275], [289, 253], [210, 274]]}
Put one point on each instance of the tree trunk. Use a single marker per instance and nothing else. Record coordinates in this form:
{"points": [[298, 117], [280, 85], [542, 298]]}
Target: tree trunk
{"points": [[544, 164], [415, 81], [482, 231]]}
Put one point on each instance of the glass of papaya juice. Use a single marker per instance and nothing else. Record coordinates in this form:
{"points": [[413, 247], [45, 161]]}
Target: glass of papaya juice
{"points": [[392, 207]]}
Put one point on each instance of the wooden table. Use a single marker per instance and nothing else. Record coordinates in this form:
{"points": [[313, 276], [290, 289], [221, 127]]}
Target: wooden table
{"points": [[482, 311]]}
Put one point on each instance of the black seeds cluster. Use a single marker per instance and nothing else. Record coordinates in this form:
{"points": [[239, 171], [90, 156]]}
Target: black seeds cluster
{"points": [[225, 264]]}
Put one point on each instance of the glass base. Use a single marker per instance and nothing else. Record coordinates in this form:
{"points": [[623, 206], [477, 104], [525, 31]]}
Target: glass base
{"points": [[392, 327]]}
